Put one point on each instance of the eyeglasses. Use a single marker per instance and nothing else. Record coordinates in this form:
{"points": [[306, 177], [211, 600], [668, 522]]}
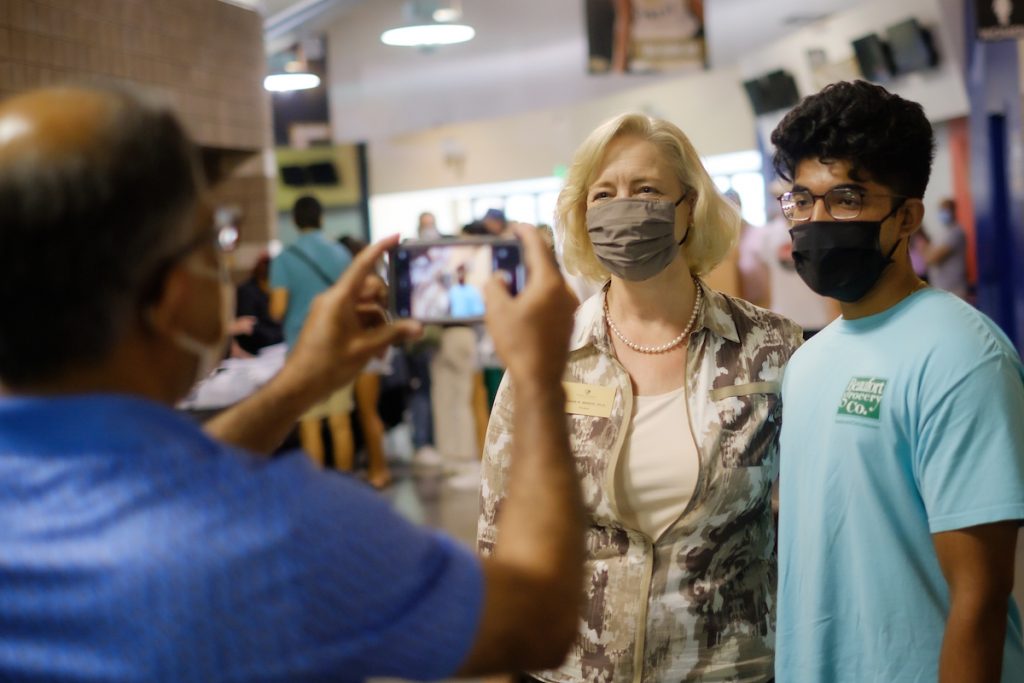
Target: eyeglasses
{"points": [[223, 235], [842, 203]]}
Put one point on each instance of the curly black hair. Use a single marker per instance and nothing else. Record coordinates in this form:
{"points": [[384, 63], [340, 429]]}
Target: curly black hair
{"points": [[884, 137]]}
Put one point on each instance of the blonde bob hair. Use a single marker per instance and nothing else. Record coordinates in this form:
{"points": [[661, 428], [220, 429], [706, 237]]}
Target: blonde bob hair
{"points": [[715, 222]]}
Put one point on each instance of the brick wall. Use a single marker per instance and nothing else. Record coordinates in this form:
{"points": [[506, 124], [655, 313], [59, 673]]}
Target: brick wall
{"points": [[205, 55]]}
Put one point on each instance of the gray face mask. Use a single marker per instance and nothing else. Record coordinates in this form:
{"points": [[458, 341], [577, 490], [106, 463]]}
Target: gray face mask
{"points": [[634, 238]]}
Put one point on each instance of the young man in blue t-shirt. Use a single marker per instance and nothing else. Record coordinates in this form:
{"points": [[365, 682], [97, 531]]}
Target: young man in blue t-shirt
{"points": [[902, 476], [306, 269]]}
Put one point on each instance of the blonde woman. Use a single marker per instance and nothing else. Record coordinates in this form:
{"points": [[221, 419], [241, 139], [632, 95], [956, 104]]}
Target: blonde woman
{"points": [[674, 419]]}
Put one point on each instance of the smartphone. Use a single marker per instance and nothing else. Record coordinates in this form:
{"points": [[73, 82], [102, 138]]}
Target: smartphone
{"points": [[442, 281]]}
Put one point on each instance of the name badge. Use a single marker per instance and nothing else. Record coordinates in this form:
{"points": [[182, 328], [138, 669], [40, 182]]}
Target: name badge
{"points": [[588, 399]]}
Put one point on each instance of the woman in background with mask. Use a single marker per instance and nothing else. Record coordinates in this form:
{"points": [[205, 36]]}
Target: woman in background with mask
{"points": [[674, 411]]}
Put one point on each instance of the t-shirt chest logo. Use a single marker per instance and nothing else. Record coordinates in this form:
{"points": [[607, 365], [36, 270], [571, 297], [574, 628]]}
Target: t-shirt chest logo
{"points": [[863, 398]]}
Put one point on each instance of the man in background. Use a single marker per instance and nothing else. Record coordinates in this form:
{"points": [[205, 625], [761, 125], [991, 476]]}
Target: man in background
{"points": [[495, 223], [300, 273], [136, 547], [946, 253], [464, 299]]}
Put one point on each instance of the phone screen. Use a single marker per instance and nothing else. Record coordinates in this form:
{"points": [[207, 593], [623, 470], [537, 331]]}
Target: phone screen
{"points": [[443, 281]]}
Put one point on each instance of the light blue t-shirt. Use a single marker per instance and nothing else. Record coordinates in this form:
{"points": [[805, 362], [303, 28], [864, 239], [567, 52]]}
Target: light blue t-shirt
{"points": [[465, 301], [895, 427], [306, 268], [133, 547]]}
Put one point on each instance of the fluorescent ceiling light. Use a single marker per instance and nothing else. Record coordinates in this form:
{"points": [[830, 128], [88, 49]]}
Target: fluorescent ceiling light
{"points": [[428, 34], [290, 82]]}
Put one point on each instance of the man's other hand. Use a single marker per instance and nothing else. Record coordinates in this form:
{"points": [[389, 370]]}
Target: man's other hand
{"points": [[531, 330]]}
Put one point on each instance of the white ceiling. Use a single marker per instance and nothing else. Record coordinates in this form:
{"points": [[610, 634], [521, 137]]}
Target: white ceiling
{"points": [[528, 54]]}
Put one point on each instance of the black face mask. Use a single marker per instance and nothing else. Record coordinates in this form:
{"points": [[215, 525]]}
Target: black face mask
{"points": [[840, 259]]}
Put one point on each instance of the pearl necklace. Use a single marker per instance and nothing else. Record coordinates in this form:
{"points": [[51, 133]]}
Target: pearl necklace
{"points": [[640, 348]]}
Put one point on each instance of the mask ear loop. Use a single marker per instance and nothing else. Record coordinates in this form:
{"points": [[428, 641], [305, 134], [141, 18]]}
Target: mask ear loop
{"points": [[903, 202], [690, 224]]}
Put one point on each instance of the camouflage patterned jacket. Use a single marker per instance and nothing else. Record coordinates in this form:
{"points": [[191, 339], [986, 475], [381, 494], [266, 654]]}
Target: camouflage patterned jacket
{"points": [[698, 604]]}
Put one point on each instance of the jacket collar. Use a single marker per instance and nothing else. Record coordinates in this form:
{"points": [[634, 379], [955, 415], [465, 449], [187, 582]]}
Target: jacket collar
{"points": [[715, 315]]}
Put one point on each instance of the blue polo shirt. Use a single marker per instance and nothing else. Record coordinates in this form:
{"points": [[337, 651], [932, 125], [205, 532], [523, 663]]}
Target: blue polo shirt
{"points": [[306, 268], [896, 426], [135, 548], [465, 301]]}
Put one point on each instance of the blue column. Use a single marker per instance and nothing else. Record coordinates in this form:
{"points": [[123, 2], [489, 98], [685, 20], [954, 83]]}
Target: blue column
{"points": [[997, 176]]}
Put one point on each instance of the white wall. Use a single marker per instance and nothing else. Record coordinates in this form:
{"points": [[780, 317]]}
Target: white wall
{"points": [[710, 107]]}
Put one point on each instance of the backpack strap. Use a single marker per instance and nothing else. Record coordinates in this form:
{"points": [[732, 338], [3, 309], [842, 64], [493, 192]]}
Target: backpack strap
{"points": [[313, 265]]}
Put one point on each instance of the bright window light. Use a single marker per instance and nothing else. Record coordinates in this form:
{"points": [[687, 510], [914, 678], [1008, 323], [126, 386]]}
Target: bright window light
{"points": [[290, 82], [444, 14], [428, 34]]}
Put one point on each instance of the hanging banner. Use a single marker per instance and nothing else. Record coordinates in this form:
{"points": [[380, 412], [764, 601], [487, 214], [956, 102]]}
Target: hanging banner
{"points": [[1000, 19], [645, 36]]}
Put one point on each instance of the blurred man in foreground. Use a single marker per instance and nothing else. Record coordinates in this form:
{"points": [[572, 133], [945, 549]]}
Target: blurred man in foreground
{"points": [[138, 548]]}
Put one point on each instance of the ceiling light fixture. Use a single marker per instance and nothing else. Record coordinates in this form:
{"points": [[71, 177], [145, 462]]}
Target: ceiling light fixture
{"points": [[290, 82], [289, 71], [430, 23]]}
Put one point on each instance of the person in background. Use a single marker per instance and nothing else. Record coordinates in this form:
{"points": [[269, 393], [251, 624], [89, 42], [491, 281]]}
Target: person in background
{"points": [[367, 394], [419, 359], [752, 271], [253, 301], [426, 228], [495, 223], [457, 387], [299, 274], [136, 547], [902, 485], [673, 414], [788, 295], [918, 247], [946, 255], [464, 299]]}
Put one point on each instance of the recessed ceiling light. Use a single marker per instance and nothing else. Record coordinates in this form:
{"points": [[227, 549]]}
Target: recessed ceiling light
{"points": [[290, 82], [428, 34]]}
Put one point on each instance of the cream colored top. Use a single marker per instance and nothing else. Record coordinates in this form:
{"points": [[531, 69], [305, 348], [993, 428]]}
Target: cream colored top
{"points": [[657, 471]]}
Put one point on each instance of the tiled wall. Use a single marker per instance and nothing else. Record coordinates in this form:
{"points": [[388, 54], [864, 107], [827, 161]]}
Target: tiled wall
{"points": [[206, 55]]}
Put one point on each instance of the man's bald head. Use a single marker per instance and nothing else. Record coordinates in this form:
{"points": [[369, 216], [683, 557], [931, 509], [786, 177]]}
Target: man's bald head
{"points": [[95, 187], [53, 122]]}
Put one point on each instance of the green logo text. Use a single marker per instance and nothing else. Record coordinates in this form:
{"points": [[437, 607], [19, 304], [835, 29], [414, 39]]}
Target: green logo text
{"points": [[863, 397]]}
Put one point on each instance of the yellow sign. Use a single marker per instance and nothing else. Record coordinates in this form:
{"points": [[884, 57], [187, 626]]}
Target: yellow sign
{"points": [[331, 174], [588, 399]]}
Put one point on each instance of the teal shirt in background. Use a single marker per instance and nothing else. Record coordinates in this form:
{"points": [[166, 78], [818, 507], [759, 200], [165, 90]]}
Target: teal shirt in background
{"points": [[464, 301], [895, 427], [292, 270]]}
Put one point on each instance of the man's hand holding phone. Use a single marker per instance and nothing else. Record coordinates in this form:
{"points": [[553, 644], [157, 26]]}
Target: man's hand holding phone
{"points": [[531, 330]]}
